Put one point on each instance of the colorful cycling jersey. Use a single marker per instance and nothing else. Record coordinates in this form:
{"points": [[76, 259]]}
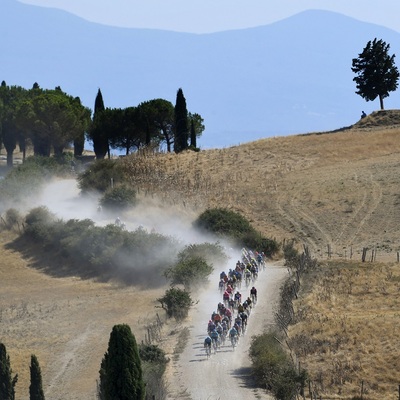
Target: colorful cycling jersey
{"points": [[233, 332], [214, 335]]}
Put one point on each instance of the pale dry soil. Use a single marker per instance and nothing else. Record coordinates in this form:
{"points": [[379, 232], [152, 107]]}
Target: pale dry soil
{"points": [[66, 323]]}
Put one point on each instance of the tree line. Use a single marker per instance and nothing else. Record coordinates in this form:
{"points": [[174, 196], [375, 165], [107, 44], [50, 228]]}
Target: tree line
{"points": [[51, 120]]}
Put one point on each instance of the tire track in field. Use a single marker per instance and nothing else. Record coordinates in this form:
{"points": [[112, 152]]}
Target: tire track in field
{"points": [[371, 200], [303, 223]]}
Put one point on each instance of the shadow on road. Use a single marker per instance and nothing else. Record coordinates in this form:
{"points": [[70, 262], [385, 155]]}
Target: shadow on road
{"points": [[245, 378]]}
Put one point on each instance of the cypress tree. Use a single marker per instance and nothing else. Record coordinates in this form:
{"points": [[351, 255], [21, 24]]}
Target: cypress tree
{"points": [[97, 134], [7, 383], [35, 388], [121, 371], [181, 123]]}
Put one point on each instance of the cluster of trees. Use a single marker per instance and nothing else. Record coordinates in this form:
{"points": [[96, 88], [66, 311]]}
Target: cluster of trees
{"points": [[53, 120], [151, 123], [47, 119]]}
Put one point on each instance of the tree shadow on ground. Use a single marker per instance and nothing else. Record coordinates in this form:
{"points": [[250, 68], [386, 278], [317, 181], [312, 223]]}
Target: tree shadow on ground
{"points": [[245, 378], [50, 262]]}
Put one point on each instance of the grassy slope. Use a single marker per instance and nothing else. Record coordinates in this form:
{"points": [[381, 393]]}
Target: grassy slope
{"points": [[338, 188]]}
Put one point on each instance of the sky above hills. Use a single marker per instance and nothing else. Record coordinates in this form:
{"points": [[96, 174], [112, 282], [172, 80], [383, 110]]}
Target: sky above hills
{"points": [[205, 16]]}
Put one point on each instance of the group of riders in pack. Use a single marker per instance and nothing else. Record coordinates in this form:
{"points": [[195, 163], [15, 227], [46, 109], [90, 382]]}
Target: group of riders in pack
{"points": [[230, 319]]}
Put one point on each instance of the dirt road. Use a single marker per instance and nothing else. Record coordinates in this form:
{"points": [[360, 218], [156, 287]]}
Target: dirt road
{"points": [[225, 376]]}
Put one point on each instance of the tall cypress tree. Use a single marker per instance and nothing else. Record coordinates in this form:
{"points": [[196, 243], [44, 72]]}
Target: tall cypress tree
{"points": [[97, 134], [181, 123], [121, 371], [7, 383], [35, 388]]}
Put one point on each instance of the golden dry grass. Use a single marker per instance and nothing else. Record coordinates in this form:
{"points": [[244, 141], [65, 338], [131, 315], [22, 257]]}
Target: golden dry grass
{"points": [[348, 330], [337, 188]]}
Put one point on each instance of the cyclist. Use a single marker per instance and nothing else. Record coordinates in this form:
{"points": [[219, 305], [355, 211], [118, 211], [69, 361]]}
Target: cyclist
{"points": [[215, 338], [243, 316], [238, 297], [253, 294], [233, 335], [207, 342], [211, 326]]}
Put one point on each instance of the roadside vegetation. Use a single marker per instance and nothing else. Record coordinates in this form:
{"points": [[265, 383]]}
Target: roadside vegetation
{"points": [[26, 180], [233, 226]]}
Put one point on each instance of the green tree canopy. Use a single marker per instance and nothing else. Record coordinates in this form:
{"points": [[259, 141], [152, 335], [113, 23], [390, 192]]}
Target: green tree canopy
{"points": [[121, 371], [11, 133], [53, 119], [376, 73]]}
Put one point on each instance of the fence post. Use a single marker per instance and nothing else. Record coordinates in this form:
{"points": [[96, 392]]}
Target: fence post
{"points": [[362, 389]]}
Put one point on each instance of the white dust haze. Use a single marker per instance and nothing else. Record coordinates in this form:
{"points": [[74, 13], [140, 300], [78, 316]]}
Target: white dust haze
{"points": [[63, 198]]}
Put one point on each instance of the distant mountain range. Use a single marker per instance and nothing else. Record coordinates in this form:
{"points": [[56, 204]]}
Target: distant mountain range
{"points": [[289, 77]]}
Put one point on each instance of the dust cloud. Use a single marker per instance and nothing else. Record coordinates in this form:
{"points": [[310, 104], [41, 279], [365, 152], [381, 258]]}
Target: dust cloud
{"points": [[150, 220]]}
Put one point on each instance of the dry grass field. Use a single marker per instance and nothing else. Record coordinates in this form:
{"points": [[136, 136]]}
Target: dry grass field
{"points": [[339, 189]]}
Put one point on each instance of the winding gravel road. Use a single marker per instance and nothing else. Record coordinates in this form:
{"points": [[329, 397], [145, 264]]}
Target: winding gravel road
{"points": [[225, 375]]}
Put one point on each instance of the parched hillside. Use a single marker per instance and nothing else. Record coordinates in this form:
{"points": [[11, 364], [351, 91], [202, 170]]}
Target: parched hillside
{"points": [[336, 188]]}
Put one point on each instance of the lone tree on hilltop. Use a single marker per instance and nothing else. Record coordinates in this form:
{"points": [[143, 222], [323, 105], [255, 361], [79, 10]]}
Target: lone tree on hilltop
{"points": [[376, 72], [35, 388], [7, 383], [121, 371]]}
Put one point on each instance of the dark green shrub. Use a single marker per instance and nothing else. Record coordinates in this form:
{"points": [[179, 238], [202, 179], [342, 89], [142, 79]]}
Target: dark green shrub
{"points": [[189, 272], [101, 176], [222, 222], [229, 224], [211, 252], [118, 198], [154, 364], [176, 302], [273, 368], [12, 218], [26, 180]]}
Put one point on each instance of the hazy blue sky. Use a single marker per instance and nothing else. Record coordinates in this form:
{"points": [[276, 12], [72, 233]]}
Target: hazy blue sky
{"points": [[204, 16]]}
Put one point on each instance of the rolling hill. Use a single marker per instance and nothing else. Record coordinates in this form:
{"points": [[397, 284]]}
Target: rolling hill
{"points": [[292, 76]]}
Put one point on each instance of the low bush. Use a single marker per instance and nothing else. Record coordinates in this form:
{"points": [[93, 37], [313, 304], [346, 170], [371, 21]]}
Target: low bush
{"points": [[231, 225], [154, 363], [189, 272], [176, 302], [13, 218], [101, 176], [273, 369], [26, 180], [118, 198], [108, 252]]}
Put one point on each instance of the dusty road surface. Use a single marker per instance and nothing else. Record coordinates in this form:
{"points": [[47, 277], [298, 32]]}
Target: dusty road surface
{"points": [[225, 375]]}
